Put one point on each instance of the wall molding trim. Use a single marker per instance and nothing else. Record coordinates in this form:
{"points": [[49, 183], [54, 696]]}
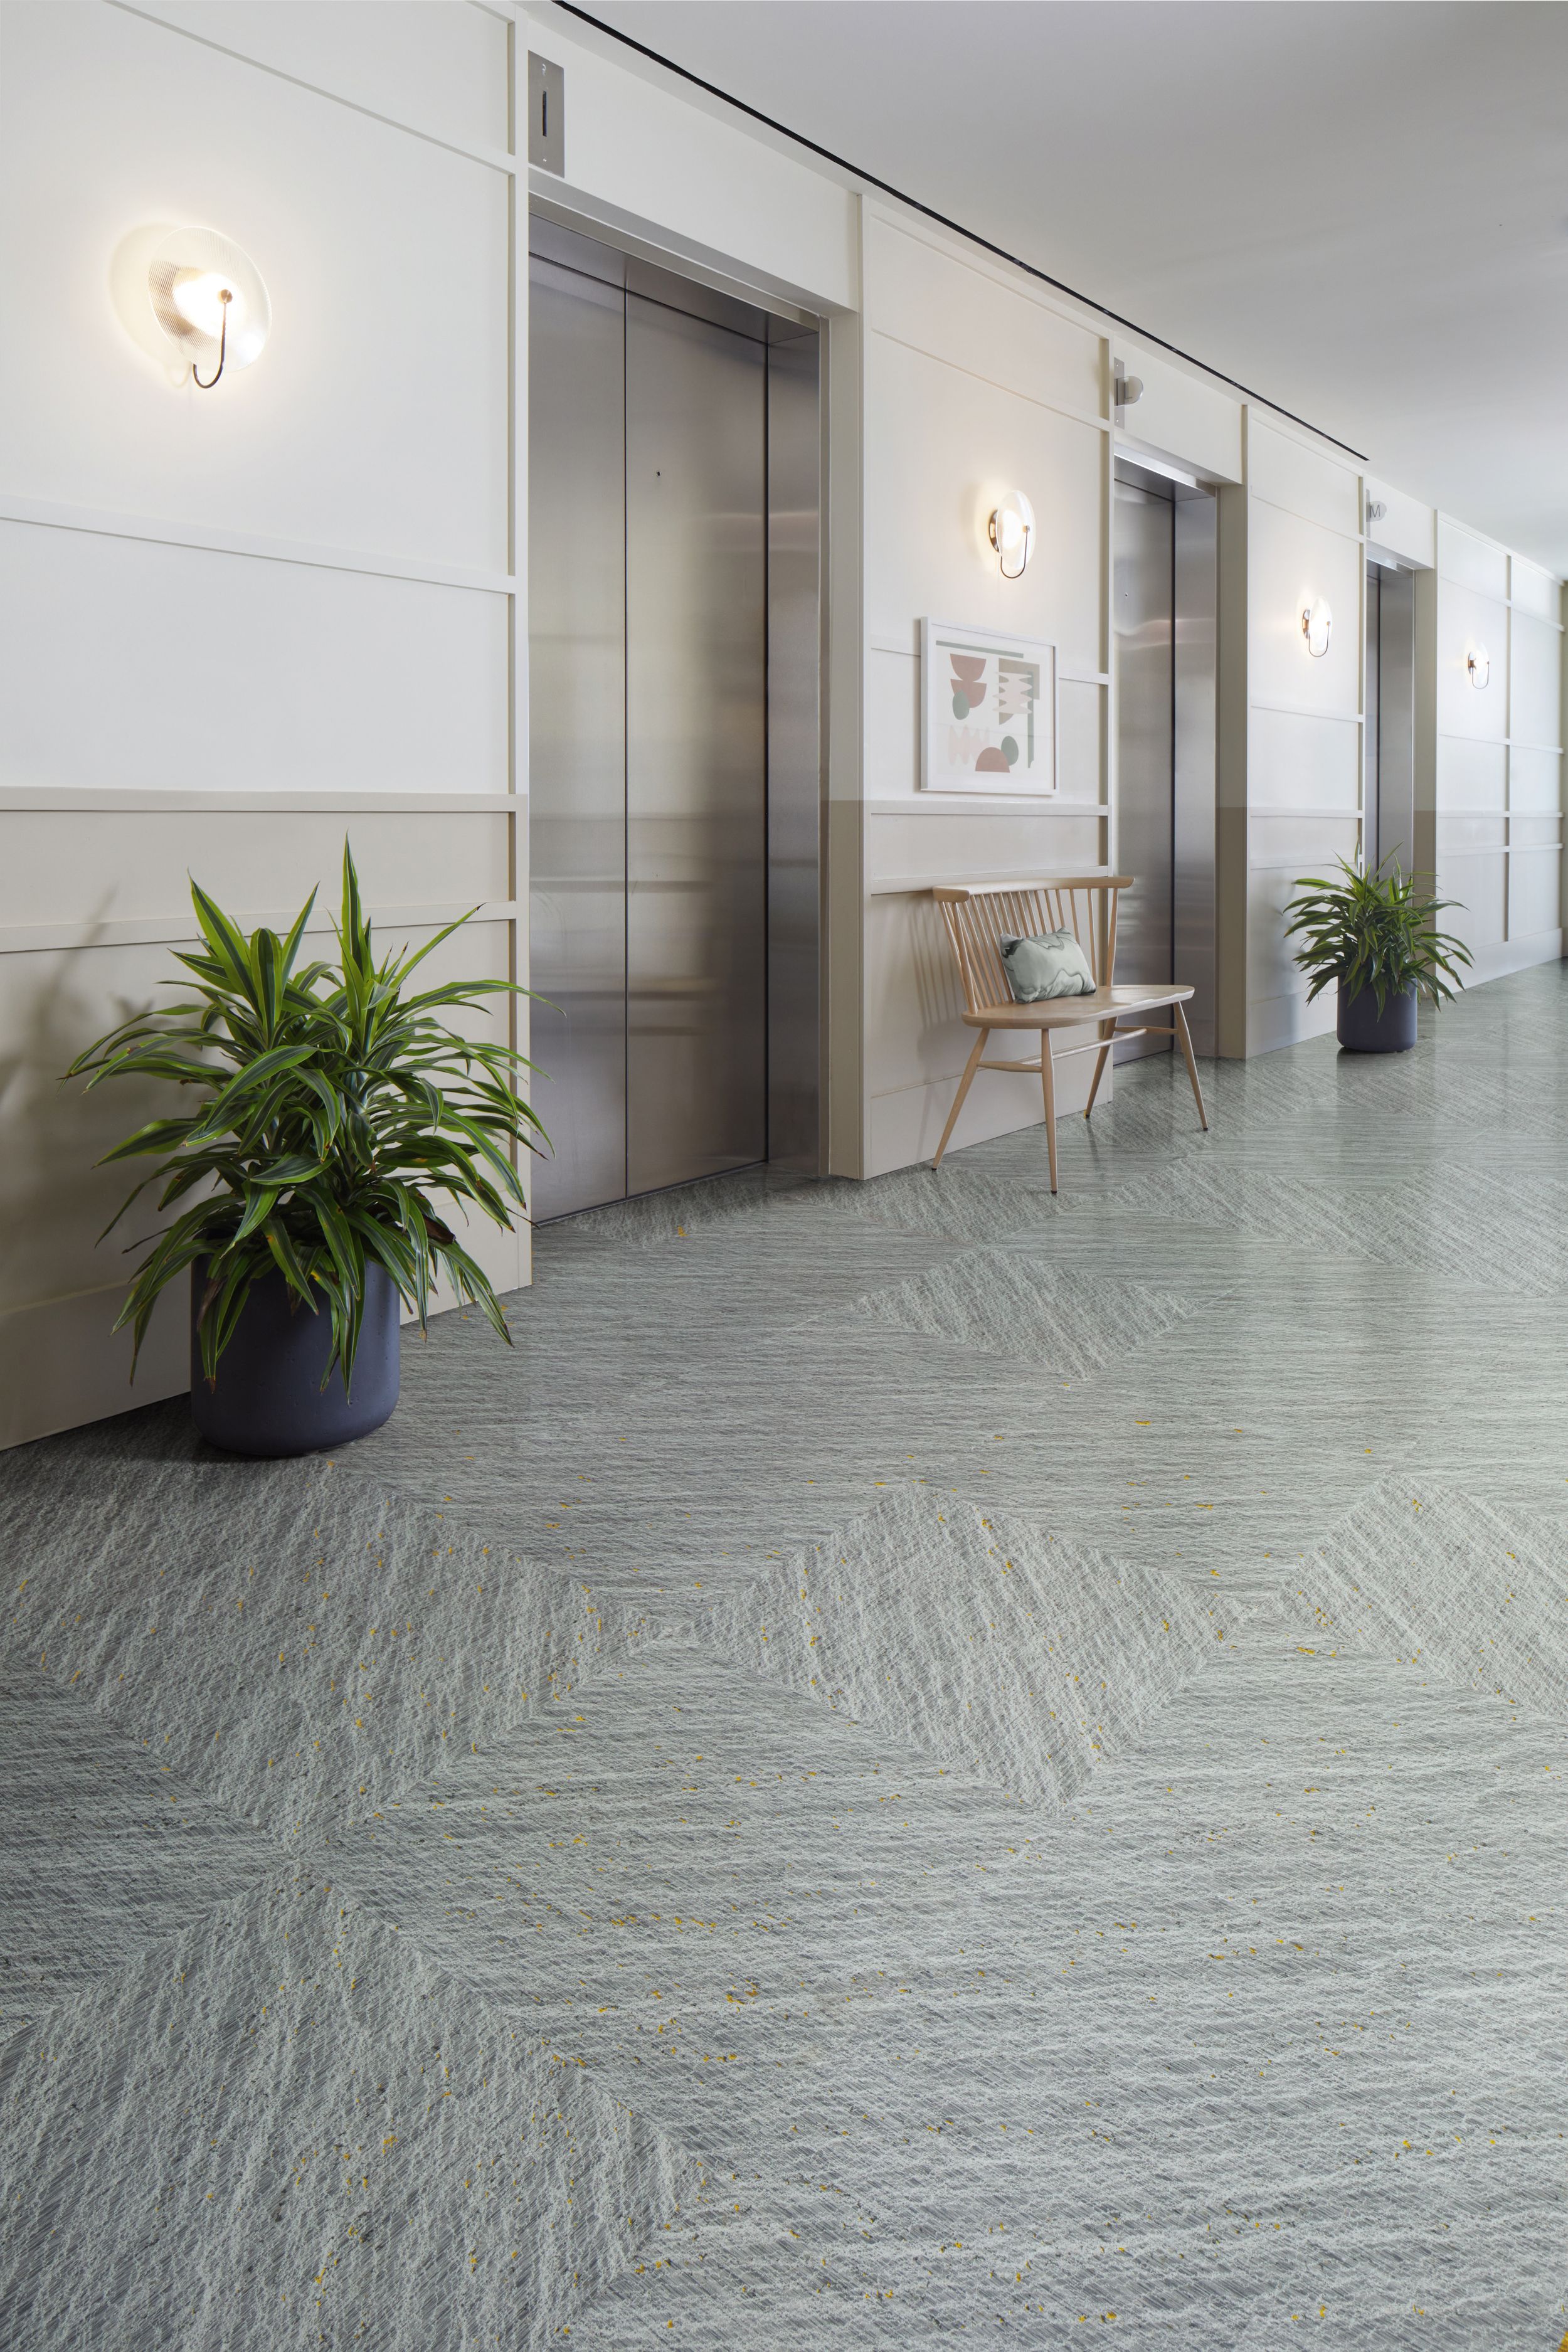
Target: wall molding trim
{"points": [[105, 522]]}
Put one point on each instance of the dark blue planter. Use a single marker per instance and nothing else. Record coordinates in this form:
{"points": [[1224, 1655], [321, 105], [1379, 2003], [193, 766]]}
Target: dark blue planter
{"points": [[269, 1399], [1364, 1030]]}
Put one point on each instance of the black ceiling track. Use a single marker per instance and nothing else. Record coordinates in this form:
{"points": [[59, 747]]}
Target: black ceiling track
{"points": [[929, 213]]}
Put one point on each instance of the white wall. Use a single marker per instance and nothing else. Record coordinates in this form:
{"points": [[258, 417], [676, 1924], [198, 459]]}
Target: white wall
{"points": [[238, 623], [975, 386], [1489, 771]]}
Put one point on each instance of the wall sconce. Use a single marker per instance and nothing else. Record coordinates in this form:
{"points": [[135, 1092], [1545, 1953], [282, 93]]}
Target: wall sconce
{"points": [[208, 298], [1011, 531], [1479, 663], [1317, 623]]}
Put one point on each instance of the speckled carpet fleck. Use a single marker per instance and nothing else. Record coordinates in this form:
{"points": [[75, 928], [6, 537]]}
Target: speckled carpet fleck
{"points": [[916, 1761]]}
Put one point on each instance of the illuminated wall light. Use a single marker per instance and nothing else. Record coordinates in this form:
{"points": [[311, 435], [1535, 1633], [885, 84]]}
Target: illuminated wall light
{"points": [[1478, 664], [1011, 531], [1317, 625], [209, 298]]}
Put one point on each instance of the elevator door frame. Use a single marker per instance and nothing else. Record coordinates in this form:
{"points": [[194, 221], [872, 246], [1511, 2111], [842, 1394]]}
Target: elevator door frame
{"points": [[1192, 734], [796, 1089]]}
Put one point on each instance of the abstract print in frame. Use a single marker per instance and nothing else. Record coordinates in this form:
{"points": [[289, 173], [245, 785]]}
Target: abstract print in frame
{"points": [[988, 712]]}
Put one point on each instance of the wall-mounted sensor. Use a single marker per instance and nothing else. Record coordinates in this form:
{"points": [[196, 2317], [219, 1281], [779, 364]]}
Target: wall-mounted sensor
{"points": [[546, 115], [1124, 389]]}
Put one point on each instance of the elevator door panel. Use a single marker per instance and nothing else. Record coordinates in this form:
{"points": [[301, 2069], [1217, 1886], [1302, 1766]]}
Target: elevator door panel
{"points": [[1145, 591], [696, 475], [576, 580]]}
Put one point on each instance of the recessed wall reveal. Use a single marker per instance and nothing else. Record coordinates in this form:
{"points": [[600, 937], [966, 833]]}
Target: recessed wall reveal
{"points": [[1317, 625], [1011, 531], [209, 298], [1478, 665]]}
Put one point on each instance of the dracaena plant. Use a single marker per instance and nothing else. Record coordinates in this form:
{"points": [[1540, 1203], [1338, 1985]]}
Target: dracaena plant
{"points": [[334, 1111], [1375, 931]]}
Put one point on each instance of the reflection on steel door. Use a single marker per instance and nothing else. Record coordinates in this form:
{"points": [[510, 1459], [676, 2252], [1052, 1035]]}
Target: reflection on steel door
{"points": [[647, 585], [1145, 599], [696, 747]]}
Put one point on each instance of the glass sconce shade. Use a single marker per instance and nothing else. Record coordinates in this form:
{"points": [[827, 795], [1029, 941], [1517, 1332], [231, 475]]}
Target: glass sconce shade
{"points": [[1478, 666], [1011, 530], [1317, 626], [209, 298]]}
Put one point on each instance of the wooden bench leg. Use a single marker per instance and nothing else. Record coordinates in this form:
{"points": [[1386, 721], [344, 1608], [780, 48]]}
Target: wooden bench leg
{"points": [[1108, 1038], [1048, 1088], [980, 1042], [1186, 1036]]}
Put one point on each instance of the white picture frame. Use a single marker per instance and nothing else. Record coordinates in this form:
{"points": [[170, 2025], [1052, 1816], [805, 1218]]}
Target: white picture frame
{"points": [[1003, 738]]}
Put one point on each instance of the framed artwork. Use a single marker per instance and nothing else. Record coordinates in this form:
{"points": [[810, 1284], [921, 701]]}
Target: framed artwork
{"points": [[988, 712]]}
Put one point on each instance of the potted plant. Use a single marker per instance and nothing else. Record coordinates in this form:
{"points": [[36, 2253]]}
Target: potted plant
{"points": [[334, 1109], [1378, 940]]}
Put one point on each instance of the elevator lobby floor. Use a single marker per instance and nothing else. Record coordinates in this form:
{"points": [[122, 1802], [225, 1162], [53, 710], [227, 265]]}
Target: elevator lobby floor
{"points": [[915, 1761]]}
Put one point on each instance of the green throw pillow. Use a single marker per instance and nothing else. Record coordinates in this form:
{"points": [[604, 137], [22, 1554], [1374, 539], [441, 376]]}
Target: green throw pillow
{"points": [[1053, 966]]}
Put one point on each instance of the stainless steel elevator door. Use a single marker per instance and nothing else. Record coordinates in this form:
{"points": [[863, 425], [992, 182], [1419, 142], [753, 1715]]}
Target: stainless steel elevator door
{"points": [[577, 785], [1144, 611], [697, 845]]}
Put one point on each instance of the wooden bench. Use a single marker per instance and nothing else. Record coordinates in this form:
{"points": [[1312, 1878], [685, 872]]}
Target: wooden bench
{"points": [[978, 920]]}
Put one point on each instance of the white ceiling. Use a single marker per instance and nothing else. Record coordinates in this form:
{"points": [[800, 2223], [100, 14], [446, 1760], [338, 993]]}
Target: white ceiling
{"points": [[1357, 207]]}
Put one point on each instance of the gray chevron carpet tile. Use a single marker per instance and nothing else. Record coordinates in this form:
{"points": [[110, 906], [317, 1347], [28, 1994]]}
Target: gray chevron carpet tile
{"points": [[1499, 1228], [1250, 2030], [983, 1638], [1023, 1309], [103, 1848], [290, 1642], [1470, 1594], [954, 1201], [285, 2127], [1372, 1361]]}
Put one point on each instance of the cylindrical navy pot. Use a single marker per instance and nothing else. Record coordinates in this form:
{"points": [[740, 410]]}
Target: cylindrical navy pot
{"points": [[1362, 1029], [269, 1399]]}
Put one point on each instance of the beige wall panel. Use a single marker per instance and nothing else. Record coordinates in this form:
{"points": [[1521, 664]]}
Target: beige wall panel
{"points": [[438, 67], [1406, 527], [1534, 779], [133, 664], [1290, 563], [1289, 1020], [61, 1366], [1286, 851], [1535, 683], [1311, 483], [906, 1126], [1477, 887], [107, 865], [1472, 774], [1180, 415], [1534, 893], [353, 429], [1471, 561], [976, 845], [961, 311], [642, 154], [1296, 763], [1534, 591], [942, 447], [1468, 621]]}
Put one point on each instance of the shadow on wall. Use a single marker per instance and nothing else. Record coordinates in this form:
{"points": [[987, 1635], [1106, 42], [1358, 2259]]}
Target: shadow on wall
{"points": [[53, 1200]]}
